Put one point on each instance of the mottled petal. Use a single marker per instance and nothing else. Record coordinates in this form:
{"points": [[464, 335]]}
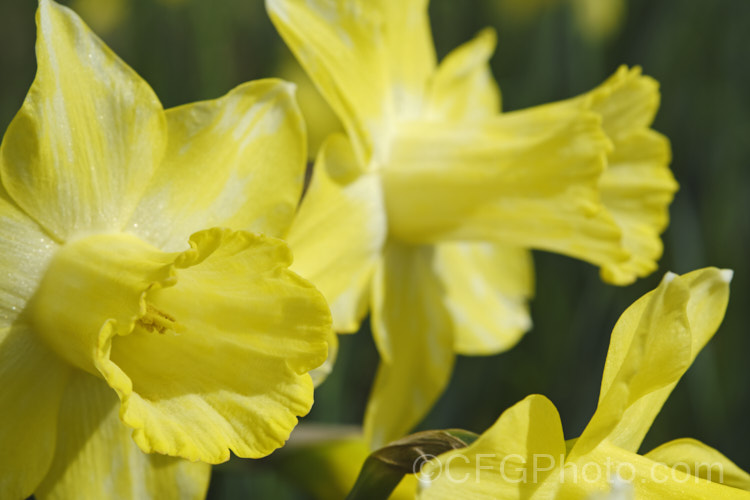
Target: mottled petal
{"points": [[237, 161], [95, 456], [33, 381], [702, 461], [81, 151], [654, 342], [526, 178], [519, 457], [413, 333], [339, 232], [487, 288], [463, 87]]}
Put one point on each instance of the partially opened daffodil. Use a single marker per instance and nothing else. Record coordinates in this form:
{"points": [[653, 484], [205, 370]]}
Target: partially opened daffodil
{"points": [[426, 210], [146, 304], [524, 454]]}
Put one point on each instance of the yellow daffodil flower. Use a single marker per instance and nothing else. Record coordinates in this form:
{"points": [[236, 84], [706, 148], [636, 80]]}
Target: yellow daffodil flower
{"points": [[426, 210], [524, 454], [145, 291]]}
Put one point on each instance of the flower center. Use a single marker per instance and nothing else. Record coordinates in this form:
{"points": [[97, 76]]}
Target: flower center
{"points": [[100, 282], [158, 321]]}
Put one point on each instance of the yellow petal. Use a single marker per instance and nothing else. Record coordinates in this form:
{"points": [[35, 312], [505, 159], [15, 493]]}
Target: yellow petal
{"points": [[518, 457], [33, 381], [207, 349], [32, 378], [338, 233], [25, 251], [652, 345], [599, 471], [702, 461], [370, 60], [320, 120], [413, 333], [80, 152], [237, 161], [409, 51], [487, 287], [637, 186], [95, 457], [463, 87], [526, 178]]}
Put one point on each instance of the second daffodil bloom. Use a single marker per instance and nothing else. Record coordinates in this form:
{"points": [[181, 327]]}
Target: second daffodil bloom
{"points": [[146, 303], [427, 209], [524, 454]]}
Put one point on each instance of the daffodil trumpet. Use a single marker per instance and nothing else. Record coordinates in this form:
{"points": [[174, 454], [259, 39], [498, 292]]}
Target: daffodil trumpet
{"points": [[425, 211], [149, 322]]}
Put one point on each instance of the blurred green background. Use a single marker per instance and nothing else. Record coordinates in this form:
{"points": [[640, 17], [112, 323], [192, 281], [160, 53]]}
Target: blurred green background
{"points": [[548, 49]]}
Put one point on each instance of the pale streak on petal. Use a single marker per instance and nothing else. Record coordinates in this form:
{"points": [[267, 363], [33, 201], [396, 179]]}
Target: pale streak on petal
{"points": [[81, 150], [237, 161]]}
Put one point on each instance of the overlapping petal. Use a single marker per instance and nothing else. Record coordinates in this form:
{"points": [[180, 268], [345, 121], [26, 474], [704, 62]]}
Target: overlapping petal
{"points": [[652, 345], [341, 46], [339, 232], [80, 152], [370, 59], [95, 456], [237, 161], [487, 287], [413, 333]]}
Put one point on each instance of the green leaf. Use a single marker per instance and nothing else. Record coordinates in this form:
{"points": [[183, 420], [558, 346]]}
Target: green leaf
{"points": [[384, 468]]}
